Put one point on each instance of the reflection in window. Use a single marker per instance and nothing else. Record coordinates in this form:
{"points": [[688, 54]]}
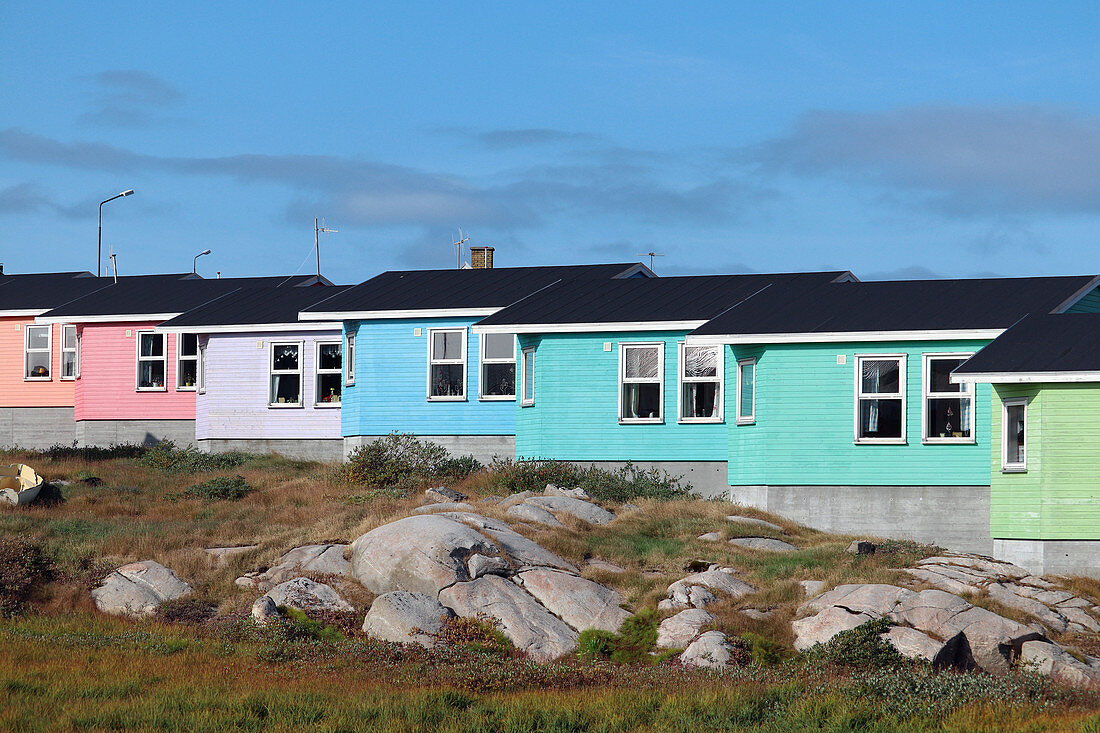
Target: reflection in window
{"points": [[37, 352], [948, 407], [187, 372], [640, 375], [447, 364], [498, 365], [700, 383]]}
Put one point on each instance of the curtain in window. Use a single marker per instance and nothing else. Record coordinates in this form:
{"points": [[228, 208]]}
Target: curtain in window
{"points": [[872, 378]]}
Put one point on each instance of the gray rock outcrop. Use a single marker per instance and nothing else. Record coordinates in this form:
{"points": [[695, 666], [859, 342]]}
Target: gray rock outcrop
{"points": [[1061, 666], [442, 494], [583, 510], [264, 610], [444, 506], [407, 618], [326, 559], [138, 588], [711, 649], [763, 543], [530, 513], [576, 493], [676, 632], [578, 602], [700, 589], [308, 595]]}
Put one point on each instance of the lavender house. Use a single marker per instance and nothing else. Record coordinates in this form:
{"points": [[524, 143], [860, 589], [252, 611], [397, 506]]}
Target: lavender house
{"points": [[266, 383]]}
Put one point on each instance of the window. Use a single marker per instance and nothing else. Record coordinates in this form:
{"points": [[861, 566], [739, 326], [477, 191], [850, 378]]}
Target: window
{"points": [[446, 363], [948, 408], [286, 375], [700, 383], [880, 398], [202, 369], [350, 339], [528, 376], [746, 391], [151, 361], [329, 368], [70, 353], [38, 352], [641, 385], [498, 366], [1014, 443], [187, 365]]}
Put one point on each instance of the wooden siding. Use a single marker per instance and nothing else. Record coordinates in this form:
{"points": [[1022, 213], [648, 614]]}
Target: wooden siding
{"points": [[1058, 497], [1088, 304], [14, 391], [804, 429], [107, 387], [235, 404], [391, 384], [576, 410]]}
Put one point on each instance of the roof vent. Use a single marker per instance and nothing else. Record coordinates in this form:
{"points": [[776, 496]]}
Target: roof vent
{"points": [[481, 258]]}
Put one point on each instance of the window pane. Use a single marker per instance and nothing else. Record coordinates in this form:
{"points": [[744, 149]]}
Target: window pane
{"points": [[880, 376], [499, 346], [529, 375], [68, 337], [1014, 433], [948, 418], [748, 377], [328, 388], [68, 363], [641, 400], [152, 344], [38, 364], [447, 380], [447, 345], [189, 344], [641, 362], [700, 399], [880, 418], [189, 372], [286, 389], [940, 376], [700, 361], [499, 380], [38, 337], [151, 374], [330, 357], [286, 357]]}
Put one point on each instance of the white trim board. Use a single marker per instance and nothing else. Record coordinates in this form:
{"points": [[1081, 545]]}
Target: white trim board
{"points": [[591, 327], [113, 318], [251, 328], [23, 313], [847, 337], [1025, 377], [394, 314]]}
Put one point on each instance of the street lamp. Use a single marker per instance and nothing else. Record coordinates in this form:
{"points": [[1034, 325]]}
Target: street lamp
{"points": [[99, 249], [195, 262]]}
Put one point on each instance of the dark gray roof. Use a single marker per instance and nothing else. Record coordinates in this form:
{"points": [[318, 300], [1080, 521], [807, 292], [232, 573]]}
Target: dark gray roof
{"points": [[402, 290], [253, 306], [42, 290], [1068, 342], [689, 298], [900, 305]]}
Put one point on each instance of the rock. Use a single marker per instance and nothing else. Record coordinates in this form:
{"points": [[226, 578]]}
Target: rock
{"points": [[530, 513], [138, 588], [251, 581], [941, 581], [525, 553], [876, 599], [582, 510], [1003, 594], [993, 640], [476, 521], [756, 614], [709, 650], [812, 587], [763, 543], [676, 632], [987, 566], [222, 555], [753, 521], [308, 595], [577, 493], [696, 590], [710, 537], [913, 644], [1077, 615], [479, 565], [441, 494], [406, 618], [327, 559], [514, 499], [421, 554], [579, 602], [444, 506], [604, 566], [629, 508], [825, 625], [522, 619], [1058, 664], [264, 610], [861, 547]]}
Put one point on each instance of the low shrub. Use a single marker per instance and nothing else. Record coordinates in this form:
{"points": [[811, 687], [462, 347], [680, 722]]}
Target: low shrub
{"points": [[475, 634], [862, 647], [49, 495], [186, 611], [166, 457], [92, 453], [219, 488], [632, 645], [401, 461], [595, 645], [764, 651], [25, 567], [625, 484]]}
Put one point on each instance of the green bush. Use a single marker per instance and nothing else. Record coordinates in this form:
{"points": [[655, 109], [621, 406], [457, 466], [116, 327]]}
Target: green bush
{"points": [[24, 568], [92, 453], [402, 461], [474, 634], [632, 645], [186, 611], [625, 484], [862, 647], [166, 457], [219, 488], [764, 651], [595, 644]]}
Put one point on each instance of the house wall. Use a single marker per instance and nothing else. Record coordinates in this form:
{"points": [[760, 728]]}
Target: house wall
{"points": [[234, 413], [1090, 303], [14, 390]]}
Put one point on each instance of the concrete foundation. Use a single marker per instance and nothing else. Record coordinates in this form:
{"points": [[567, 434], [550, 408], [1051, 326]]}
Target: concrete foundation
{"points": [[482, 447], [707, 478], [303, 449], [1051, 557], [104, 433], [954, 517], [36, 428]]}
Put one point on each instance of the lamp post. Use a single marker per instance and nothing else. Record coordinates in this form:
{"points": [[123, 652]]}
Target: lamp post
{"points": [[195, 262], [99, 249]]}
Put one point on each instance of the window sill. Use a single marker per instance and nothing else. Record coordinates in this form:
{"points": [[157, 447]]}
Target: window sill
{"points": [[642, 421], [350, 384], [949, 441], [699, 421], [327, 405], [446, 399], [746, 421], [880, 441], [37, 379], [1013, 469], [186, 389], [527, 404], [151, 389], [496, 398], [68, 379], [285, 406]]}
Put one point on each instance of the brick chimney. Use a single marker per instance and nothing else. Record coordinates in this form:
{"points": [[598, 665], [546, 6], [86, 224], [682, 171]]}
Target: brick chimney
{"points": [[481, 258]]}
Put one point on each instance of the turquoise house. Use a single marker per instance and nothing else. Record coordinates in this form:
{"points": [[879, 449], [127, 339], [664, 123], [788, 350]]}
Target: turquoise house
{"points": [[607, 377], [413, 365]]}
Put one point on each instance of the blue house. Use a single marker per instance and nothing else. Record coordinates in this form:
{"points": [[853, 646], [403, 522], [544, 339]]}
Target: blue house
{"points": [[413, 366]]}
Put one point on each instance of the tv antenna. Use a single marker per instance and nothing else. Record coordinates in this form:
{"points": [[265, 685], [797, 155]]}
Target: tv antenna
{"points": [[317, 230], [458, 248], [650, 255]]}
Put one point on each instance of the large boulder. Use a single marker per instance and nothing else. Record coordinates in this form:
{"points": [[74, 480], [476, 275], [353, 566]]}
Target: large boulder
{"points": [[700, 589], [763, 543], [531, 513], [1058, 664], [711, 649], [578, 602], [325, 559], [308, 595], [819, 628], [443, 494], [406, 618], [525, 553], [138, 588], [577, 493], [578, 508], [676, 632], [520, 617], [445, 506]]}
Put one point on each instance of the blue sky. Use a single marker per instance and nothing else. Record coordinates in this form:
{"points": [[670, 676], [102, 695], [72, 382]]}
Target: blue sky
{"points": [[895, 140]]}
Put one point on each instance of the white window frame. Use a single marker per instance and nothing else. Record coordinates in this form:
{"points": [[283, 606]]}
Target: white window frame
{"points": [[527, 352], [902, 384], [348, 358], [751, 417], [75, 352], [461, 361], [1006, 465], [481, 364], [163, 358], [27, 350], [318, 372], [681, 380], [659, 380], [271, 372], [927, 394], [201, 371], [180, 358]]}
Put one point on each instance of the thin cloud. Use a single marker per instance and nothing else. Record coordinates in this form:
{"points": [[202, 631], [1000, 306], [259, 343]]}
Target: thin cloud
{"points": [[509, 139], [130, 98]]}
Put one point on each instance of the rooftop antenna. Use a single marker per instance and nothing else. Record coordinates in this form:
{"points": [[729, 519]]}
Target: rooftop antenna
{"points": [[317, 230], [650, 255], [458, 248]]}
